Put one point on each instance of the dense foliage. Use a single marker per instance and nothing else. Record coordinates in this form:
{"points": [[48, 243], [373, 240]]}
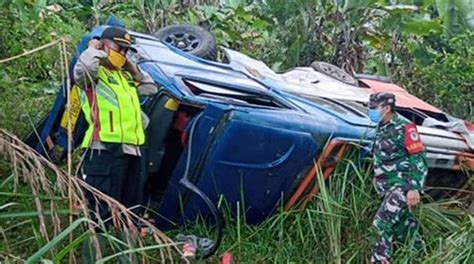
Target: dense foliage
{"points": [[426, 46]]}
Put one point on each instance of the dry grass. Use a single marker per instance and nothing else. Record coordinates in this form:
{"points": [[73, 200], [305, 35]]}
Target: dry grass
{"points": [[47, 182], [45, 179]]}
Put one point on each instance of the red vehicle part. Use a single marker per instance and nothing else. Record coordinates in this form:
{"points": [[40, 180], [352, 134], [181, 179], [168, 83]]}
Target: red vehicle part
{"points": [[469, 126], [464, 161], [404, 99], [326, 163]]}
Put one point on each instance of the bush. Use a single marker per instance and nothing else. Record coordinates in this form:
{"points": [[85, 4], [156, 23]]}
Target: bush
{"points": [[27, 85], [442, 73], [30, 30]]}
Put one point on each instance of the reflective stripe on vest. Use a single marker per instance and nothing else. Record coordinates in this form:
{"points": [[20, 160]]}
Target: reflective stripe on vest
{"points": [[112, 110]]}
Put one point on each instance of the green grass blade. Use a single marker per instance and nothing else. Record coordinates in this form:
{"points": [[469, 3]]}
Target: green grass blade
{"points": [[56, 240]]}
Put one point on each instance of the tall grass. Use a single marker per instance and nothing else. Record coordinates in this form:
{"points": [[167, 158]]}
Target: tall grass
{"points": [[35, 211], [334, 228], [337, 227]]}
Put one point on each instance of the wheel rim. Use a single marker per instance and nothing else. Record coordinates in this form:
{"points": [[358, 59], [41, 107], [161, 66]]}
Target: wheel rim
{"points": [[183, 41], [335, 72]]}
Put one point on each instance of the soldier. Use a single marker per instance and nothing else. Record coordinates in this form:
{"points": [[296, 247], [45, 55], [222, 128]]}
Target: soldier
{"points": [[400, 168]]}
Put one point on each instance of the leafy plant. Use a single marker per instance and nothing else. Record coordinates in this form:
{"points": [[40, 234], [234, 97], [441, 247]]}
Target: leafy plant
{"points": [[34, 26], [427, 48], [52, 191], [336, 227]]}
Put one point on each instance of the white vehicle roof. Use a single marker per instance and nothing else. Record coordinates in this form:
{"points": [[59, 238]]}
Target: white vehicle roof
{"points": [[303, 80], [308, 81]]}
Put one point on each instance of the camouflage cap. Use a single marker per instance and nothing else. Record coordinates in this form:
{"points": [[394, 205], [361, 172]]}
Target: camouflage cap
{"points": [[381, 98]]}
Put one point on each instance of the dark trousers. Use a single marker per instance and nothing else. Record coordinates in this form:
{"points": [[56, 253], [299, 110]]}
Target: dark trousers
{"points": [[114, 173]]}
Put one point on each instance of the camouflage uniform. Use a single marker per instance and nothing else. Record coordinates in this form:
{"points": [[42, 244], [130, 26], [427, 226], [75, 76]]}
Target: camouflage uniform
{"points": [[396, 172]]}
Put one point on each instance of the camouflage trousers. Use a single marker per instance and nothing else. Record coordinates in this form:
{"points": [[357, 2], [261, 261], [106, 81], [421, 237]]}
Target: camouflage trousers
{"points": [[394, 222]]}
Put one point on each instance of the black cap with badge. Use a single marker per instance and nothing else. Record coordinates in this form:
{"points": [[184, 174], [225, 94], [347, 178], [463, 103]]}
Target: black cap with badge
{"points": [[381, 98], [119, 36]]}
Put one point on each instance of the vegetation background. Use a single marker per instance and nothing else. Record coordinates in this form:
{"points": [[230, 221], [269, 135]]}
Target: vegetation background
{"points": [[427, 46]]}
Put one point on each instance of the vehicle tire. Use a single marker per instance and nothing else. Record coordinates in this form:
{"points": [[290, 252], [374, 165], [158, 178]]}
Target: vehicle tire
{"points": [[191, 39], [334, 72], [441, 184]]}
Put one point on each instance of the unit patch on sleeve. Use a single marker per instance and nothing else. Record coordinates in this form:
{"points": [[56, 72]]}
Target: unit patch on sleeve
{"points": [[413, 142]]}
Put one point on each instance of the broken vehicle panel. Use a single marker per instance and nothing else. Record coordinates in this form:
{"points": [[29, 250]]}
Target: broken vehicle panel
{"points": [[225, 134], [240, 132], [250, 145], [449, 141]]}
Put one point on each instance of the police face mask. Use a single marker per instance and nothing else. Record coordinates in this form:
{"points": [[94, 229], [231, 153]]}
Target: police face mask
{"points": [[116, 59]]}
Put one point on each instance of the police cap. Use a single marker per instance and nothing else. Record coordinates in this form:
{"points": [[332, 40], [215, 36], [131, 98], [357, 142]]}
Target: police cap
{"points": [[119, 36]]}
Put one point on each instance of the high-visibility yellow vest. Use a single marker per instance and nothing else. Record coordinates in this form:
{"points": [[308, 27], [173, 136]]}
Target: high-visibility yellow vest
{"points": [[112, 109]]}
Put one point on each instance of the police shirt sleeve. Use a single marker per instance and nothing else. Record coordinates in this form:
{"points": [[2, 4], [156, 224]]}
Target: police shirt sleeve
{"points": [[87, 67], [146, 85]]}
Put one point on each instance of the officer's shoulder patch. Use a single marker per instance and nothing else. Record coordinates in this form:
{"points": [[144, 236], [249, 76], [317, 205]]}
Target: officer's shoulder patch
{"points": [[413, 142]]}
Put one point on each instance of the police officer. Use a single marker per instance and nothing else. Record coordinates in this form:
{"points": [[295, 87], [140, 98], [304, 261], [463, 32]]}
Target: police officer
{"points": [[109, 83], [400, 168]]}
